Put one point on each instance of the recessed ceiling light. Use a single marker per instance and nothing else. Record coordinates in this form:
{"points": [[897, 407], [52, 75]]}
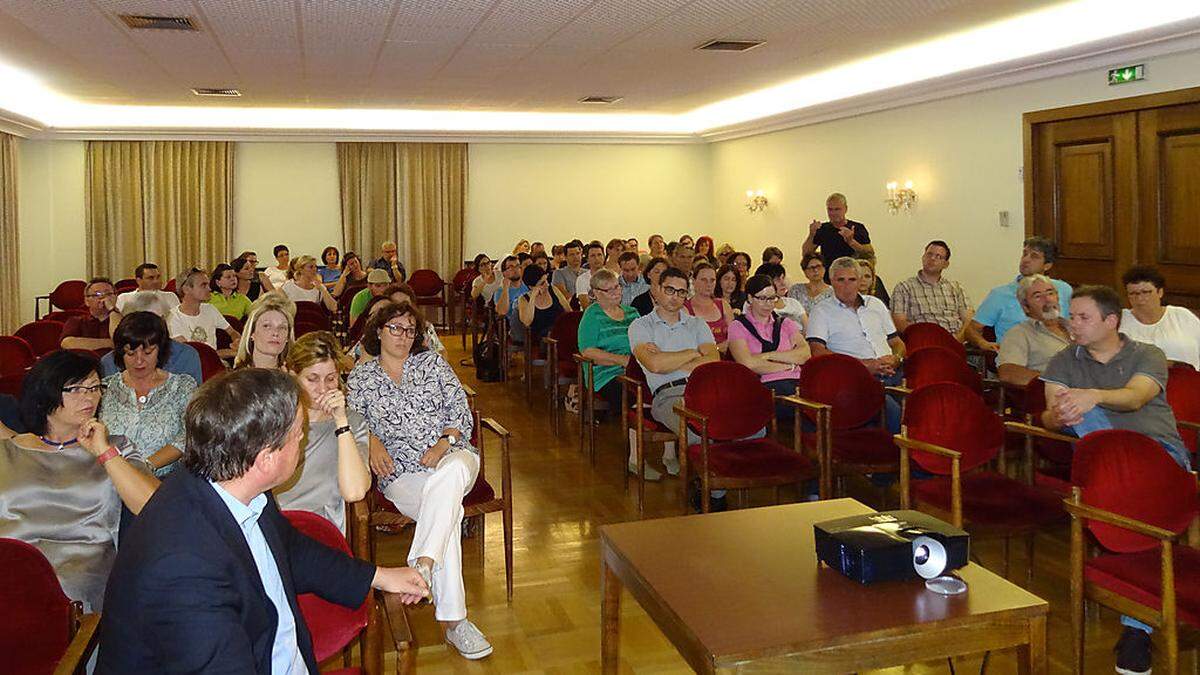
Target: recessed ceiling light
{"points": [[729, 45], [203, 91], [149, 22], [601, 100]]}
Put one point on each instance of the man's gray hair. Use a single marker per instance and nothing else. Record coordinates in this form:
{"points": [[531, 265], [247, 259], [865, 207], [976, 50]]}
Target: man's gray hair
{"points": [[145, 301], [1026, 283], [602, 276], [843, 263]]}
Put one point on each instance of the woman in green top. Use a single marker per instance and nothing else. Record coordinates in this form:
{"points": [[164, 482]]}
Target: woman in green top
{"points": [[604, 335], [225, 296]]}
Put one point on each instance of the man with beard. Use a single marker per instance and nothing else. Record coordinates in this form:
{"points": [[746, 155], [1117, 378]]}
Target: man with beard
{"points": [[1028, 346], [1001, 310]]}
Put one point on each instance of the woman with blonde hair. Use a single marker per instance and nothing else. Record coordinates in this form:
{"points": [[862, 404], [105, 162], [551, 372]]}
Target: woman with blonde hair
{"points": [[869, 284], [269, 332], [304, 283], [337, 439], [521, 247]]}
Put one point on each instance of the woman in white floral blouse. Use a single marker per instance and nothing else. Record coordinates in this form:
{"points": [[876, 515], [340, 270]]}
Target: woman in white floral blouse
{"points": [[416, 407]]}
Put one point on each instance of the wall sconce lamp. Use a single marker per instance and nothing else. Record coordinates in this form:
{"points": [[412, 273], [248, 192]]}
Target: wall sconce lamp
{"points": [[757, 201], [900, 198]]}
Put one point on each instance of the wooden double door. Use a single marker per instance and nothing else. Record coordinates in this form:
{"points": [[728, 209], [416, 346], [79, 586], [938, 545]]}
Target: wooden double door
{"points": [[1116, 184]]}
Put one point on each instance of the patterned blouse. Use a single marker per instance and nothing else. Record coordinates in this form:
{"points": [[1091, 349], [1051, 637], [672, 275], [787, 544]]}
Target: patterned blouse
{"points": [[800, 292], [153, 424], [408, 418]]}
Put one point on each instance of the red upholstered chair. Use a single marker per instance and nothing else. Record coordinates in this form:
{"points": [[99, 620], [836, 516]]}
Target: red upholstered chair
{"points": [[1137, 503], [431, 292], [67, 295], [343, 301], [316, 313], [334, 628], [724, 402], [1049, 452], [125, 286], [561, 345], [950, 432], [15, 355], [41, 629], [12, 384], [211, 364], [64, 315], [846, 404], [170, 285], [1183, 395], [928, 365], [306, 325], [42, 336], [928, 334], [638, 426]]}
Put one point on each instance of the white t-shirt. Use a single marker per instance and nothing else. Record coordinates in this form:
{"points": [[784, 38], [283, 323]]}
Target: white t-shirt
{"points": [[276, 275], [583, 283], [200, 328], [1177, 333], [486, 291], [168, 299], [292, 290]]}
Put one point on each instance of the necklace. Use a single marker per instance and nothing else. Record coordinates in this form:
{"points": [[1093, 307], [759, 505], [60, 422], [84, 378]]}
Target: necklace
{"points": [[57, 445]]}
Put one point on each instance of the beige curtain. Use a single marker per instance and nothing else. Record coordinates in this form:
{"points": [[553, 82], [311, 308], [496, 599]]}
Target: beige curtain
{"points": [[168, 202], [410, 193], [10, 252]]}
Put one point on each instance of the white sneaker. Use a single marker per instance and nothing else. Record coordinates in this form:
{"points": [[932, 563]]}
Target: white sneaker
{"points": [[672, 465], [469, 642], [651, 472]]}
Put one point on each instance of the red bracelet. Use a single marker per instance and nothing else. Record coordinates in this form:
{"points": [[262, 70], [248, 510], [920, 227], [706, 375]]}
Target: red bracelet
{"points": [[107, 455]]}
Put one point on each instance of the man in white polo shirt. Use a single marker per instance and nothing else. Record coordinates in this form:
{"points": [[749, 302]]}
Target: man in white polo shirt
{"points": [[149, 282]]}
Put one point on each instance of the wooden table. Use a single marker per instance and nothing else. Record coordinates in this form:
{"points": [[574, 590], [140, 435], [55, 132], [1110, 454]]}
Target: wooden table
{"points": [[742, 590]]}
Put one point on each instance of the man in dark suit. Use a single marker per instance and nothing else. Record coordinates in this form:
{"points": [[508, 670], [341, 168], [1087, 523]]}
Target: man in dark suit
{"points": [[207, 576]]}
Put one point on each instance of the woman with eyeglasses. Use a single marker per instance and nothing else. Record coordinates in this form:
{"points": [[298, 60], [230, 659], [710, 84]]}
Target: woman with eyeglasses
{"points": [[269, 332], [250, 282], [729, 288], [814, 290], [143, 402], [538, 308], [1171, 328], [767, 343], [401, 292], [488, 282], [63, 483], [705, 304], [417, 409], [604, 336]]}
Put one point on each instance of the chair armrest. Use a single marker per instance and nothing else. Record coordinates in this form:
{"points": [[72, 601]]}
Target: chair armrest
{"points": [[490, 424], [495, 427], [898, 391], [471, 393], [1034, 430], [1081, 510], [691, 414], [804, 403], [82, 645], [1188, 425], [913, 444], [396, 620]]}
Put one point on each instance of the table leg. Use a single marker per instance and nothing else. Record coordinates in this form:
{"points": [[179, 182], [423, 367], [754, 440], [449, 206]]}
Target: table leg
{"points": [[1031, 657], [610, 619]]}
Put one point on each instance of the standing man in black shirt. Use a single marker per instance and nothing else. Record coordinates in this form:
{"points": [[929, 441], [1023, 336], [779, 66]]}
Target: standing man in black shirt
{"points": [[838, 237]]}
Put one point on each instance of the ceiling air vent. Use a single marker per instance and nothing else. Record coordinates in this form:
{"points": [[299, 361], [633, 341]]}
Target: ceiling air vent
{"points": [[145, 22], [729, 45], [601, 100], [201, 91]]}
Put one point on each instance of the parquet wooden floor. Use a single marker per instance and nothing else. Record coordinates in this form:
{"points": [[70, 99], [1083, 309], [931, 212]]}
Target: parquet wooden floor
{"points": [[561, 501]]}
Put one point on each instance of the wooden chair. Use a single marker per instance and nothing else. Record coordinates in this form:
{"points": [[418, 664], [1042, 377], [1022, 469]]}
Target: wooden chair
{"points": [[1141, 509], [430, 290], [932, 364], [460, 297], [725, 402], [41, 629], [335, 628], [585, 369], [42, 336], [561, 346], [950, 433], [1050, 452], [1183, 395], [639, 427]]}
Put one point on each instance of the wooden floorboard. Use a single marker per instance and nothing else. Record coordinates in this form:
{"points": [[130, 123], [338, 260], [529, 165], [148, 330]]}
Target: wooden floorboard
{"points": [[561, 501]]}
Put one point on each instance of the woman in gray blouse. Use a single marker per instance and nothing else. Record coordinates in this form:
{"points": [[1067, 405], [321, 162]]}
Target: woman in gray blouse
{"points": [[62, 484], [416, 407], [333, 469], [143, 402]]}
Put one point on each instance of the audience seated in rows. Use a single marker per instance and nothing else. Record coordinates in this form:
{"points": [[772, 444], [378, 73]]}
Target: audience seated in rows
{"points": [[270, 332], [930, 297], [181, 358], [92, 331]]}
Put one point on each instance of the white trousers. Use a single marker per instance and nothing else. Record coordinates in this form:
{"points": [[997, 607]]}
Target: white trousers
{"points": [[434, 501]]}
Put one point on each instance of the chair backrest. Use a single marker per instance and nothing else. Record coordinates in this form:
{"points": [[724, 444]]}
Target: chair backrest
{"points": [[68, 294], [211, 364], [12, 384], [732, 396], [954, 417], [426, 283], [36, 624], [306, 325], [63, 315], [930, 365], [312, 313], [125, 286], [332, 626], [565, 329], [845, 383], [170, 285], [43, 336], [1183, 395], [346, 298], [633, 370], [15, 355], [1132, 475], [463, 279], [928, 334]]}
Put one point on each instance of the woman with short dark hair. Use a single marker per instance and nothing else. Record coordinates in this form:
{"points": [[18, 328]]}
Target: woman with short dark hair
{"points": [[63, 483], [416, 407], [225, 297], [644, 303], [330, 269], [770, 344], [142, 401], [813, 291], [1171, 328]]}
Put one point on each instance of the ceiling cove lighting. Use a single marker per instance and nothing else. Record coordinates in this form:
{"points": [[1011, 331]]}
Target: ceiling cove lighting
{"points": [[1060, 27]]}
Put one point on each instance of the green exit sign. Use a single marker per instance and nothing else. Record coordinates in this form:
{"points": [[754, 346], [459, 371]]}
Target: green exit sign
{"points": [[1126, 74]]}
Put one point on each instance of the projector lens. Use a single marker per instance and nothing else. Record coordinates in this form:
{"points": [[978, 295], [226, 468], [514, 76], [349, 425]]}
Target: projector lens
{"points": [[922, 555]]}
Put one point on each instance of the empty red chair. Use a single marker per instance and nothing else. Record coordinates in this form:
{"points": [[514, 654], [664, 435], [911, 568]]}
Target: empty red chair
{"points": [[724, 402], [430, 290], [211, 364], [846, 404], [460, 288], [39, 622], [1183, 395], [561, 345], [305, 326], [927, 334], [42, 336], [929, 365], [951, 433], [66, 296], [1138, 504], [15, 355]]}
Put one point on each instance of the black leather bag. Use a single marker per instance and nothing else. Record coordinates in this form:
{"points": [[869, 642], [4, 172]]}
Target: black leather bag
{"points": [[486, 356]]}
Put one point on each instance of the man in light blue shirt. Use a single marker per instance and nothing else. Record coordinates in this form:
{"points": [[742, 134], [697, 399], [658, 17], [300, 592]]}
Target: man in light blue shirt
{"points": [[1002, 310], [505, 299]]}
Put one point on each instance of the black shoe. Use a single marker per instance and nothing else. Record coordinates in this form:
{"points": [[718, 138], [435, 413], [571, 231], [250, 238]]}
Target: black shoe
{"points": [[715, 504], [1133, 652]]}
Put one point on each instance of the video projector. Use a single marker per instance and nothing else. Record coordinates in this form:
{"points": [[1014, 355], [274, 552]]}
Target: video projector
{"points": [[891, 546]]}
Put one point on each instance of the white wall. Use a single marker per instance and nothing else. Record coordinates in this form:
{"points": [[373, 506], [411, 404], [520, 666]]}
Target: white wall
{"points": [[963, 155], [50, 215], [286, 193]]}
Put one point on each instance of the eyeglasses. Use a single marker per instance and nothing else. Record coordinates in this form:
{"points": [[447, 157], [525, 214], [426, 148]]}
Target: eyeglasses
{"points": [[80, 390], [610, 289], [100, 294], [766, 298], [814, 268], [672, 290], [398, 330]]}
